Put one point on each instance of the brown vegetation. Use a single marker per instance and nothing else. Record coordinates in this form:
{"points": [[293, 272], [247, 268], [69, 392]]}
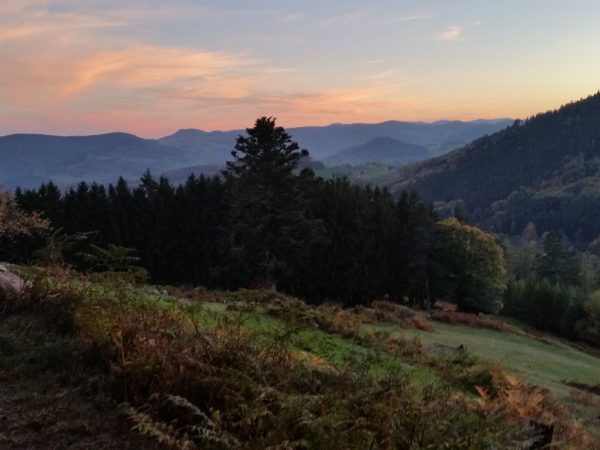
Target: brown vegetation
{"points": [[513, 398], [384, 311], [187, 384], [467, 319]]}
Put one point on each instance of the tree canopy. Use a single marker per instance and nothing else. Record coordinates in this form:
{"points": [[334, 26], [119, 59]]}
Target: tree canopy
{"points": [[474, 268]]}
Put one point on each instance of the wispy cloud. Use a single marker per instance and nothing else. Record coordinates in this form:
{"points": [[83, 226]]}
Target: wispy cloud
{"points": [[345, 18], [10, 33], [456, 32], [453, 33], [372, 17]]}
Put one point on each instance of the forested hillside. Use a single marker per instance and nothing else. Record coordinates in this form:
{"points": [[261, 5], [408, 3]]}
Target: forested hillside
{"points": [[544, 170]]}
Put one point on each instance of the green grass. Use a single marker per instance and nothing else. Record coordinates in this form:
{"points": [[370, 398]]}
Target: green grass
{"points": [[333, 348], [540, 363]]}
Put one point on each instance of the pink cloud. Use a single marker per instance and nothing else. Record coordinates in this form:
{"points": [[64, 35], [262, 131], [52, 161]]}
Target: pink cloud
{"points": [[453, 33], [456, 32]]}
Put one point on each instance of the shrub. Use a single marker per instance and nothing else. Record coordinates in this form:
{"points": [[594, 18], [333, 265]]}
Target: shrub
{"points": [[419, 323], [467, 319], [337, 320], [513, 398], [389, 312]]}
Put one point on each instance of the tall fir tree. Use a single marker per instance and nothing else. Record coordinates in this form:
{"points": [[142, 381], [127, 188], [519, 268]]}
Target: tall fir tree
{"points": [[266, 218]]}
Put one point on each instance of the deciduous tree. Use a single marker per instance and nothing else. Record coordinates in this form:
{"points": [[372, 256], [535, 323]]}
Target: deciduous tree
{"points": [[472, 268]]}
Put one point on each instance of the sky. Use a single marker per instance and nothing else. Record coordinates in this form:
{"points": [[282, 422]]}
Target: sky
{"points": [[151, 67]]}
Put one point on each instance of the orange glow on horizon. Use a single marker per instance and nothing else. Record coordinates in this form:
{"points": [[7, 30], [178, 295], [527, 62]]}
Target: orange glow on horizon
{"points": [[75, 68]]}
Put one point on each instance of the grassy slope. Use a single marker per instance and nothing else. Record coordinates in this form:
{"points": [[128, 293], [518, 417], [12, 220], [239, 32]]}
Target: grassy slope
{"points": [[545, 363], [334, 349], [538, 362]]}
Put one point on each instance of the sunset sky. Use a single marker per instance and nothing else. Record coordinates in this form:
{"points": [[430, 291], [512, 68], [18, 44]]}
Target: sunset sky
{"points": [[151, 67]]}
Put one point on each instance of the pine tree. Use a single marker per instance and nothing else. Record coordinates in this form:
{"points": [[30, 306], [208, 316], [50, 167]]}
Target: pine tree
{"points": [[266, 218], [557, 264]]}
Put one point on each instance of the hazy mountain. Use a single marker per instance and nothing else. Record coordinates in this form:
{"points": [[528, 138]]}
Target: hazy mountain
{"points": [[207, 148], [437, 137], [325, 141], [28, 160], [545, 170], [382, 149]]}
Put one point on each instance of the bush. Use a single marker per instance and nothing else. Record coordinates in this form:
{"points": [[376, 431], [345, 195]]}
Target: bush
{"points": [[467, 319], [389, 312]]}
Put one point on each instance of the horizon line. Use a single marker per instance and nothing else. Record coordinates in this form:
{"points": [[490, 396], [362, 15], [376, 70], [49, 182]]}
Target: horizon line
{"points": [[425, 122]]}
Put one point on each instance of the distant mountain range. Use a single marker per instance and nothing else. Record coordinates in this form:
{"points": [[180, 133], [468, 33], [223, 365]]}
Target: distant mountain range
{"points": [[382, 149], [545, 170], [323, 142], [28, 159]]}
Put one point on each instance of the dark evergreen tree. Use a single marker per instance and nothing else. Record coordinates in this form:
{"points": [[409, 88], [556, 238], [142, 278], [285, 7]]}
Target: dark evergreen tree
{"points": [[266, 222], [557, 264]]}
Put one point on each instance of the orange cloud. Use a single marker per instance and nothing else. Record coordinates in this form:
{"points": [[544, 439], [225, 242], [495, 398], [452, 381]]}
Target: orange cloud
{"points": [[8, 33], [73, 70], [141, 67]]}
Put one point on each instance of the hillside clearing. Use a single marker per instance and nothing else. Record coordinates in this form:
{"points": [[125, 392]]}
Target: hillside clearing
{"points": [[252, 369]]}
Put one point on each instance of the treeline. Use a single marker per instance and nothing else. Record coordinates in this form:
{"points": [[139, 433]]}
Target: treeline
{"points": [[266, 224], [553, 287], [358, 243]]}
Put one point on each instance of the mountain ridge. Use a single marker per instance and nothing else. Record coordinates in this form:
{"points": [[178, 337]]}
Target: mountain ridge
{"points": [[382, 149], [30, 159], [544, 170]]}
